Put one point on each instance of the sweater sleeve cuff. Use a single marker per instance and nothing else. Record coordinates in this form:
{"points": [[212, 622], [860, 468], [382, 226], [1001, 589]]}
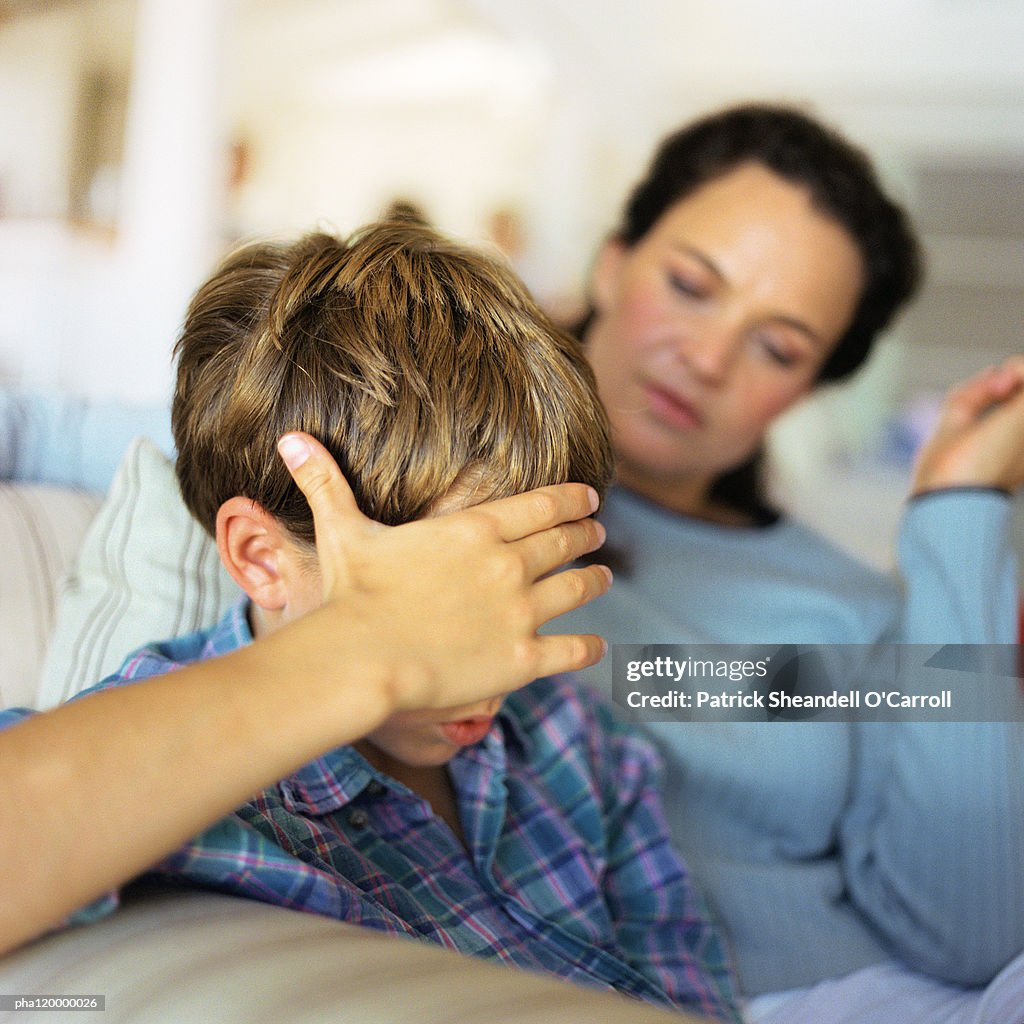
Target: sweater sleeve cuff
{"points": [[939, 492], [970, 524]]}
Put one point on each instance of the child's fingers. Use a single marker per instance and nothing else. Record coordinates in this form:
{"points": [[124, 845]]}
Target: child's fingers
{"points": [[568, 590], [334, 508], [548, 550], [568, 653], [541, 509], [318, 477]]}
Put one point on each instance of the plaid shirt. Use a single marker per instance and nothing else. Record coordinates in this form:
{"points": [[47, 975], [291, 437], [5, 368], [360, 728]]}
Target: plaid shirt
{"points": [[567, 869]]}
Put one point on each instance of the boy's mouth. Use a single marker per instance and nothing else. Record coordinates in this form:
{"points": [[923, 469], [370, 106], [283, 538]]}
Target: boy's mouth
{"points": [[467, 731]]}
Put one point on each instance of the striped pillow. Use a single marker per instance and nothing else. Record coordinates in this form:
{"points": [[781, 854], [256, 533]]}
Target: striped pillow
{"points": [[146, 571], [42, 528]]}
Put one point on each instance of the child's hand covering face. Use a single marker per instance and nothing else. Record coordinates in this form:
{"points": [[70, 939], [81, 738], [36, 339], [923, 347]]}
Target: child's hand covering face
{"points": [[462, 594]]}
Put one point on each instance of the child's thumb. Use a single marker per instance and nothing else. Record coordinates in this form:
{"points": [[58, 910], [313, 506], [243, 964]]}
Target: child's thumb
{"points": [[317, 475]]}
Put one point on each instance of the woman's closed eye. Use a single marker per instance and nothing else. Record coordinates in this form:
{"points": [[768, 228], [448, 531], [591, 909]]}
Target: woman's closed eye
{"points": [[777, 348], [687, 285]]}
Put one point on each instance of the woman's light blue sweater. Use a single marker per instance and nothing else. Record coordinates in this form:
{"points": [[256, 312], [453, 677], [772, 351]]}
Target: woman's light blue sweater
{"points": [[828, 846]]}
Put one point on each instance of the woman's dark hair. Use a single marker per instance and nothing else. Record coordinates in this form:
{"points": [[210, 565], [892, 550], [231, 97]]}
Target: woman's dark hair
{"points": [[842, 184]]}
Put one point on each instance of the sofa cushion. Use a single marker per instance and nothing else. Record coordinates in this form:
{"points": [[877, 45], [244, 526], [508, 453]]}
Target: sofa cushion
{"points": [[202, 956], [42, 528], [146, 571]]}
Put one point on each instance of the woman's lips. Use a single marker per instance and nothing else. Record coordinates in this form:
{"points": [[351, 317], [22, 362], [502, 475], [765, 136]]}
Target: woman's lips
{"points": [[467, 731], [671, 408]]}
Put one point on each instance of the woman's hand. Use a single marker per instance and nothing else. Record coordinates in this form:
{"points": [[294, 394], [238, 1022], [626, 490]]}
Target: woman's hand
{"points": [[455, 601], [979, 439]]}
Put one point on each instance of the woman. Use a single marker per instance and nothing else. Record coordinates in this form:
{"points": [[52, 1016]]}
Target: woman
{"points": [[756, 259]]}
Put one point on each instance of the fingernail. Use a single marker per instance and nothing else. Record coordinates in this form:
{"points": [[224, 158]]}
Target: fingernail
{"points": [[601, 532], [595, 500], [293, 450]]}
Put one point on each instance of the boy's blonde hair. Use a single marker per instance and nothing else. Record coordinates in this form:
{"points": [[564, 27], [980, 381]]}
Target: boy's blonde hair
{"points": [[420, 363]]}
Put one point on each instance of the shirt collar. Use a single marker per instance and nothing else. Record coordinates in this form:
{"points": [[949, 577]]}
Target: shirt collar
{"points": [[516, 736], [231, 632], [329, 782]]}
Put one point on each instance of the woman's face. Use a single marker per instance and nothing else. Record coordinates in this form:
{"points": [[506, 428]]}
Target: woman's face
{"points": [[714, 323]]}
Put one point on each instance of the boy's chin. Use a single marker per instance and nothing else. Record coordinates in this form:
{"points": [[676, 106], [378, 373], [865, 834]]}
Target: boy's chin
{"points": [[392, 758], [433, 755]]}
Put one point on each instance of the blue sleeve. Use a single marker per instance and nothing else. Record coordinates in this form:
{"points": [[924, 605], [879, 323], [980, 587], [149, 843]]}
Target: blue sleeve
{"points": [[959, 568], [933, 840], [73, 442]]}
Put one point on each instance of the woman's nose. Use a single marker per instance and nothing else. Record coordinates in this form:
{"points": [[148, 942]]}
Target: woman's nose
{"points": [[710, 349]]}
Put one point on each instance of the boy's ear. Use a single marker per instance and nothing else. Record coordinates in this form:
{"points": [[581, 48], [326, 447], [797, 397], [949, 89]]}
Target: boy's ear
{"points": [[253, 547], [604, 281]]}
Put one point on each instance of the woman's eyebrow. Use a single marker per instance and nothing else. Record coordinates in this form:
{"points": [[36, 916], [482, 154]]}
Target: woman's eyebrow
{"points": [[709, 264]]}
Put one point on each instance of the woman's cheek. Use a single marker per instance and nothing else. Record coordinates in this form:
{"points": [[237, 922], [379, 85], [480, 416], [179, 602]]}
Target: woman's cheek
{"points": [[765, 405], [643, 317]]}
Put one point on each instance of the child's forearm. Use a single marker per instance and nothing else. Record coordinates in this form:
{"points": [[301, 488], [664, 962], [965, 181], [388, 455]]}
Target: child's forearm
{"points": [[95, 792]]}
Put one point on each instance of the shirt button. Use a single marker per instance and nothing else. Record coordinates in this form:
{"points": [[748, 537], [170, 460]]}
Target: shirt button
{"points": [[375, 789], [359, 819]]}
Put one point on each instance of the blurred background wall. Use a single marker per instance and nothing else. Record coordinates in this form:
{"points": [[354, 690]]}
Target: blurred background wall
{"points": [[139, 138]]}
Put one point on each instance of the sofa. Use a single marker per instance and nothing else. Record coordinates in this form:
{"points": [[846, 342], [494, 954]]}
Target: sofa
{"points": [[76, 564]]}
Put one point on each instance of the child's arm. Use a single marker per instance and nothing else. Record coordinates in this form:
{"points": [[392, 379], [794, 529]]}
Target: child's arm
{"points": [[438, 612]]}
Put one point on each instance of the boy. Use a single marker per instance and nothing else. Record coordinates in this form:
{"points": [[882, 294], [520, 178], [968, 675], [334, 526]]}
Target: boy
{"points": [[528, 832]]}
